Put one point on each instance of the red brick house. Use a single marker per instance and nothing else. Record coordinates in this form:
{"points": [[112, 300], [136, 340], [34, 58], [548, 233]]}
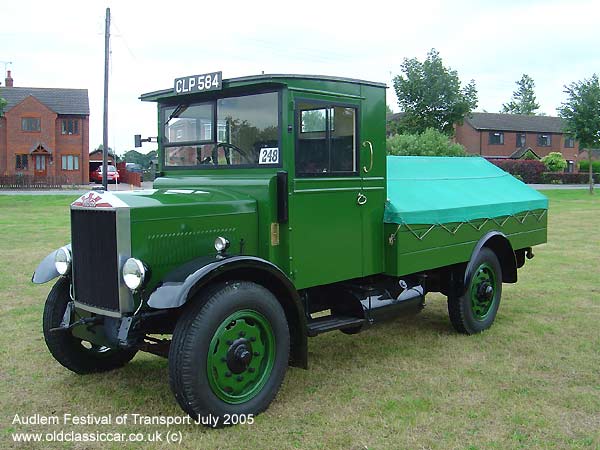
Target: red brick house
{"points": [[506, 136], [44, 132]]}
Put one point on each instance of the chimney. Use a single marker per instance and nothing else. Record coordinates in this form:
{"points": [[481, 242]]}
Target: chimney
{"points": [[8, 81]]}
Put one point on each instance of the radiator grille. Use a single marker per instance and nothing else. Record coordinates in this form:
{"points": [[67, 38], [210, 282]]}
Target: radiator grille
{"points": [[95, 268]]}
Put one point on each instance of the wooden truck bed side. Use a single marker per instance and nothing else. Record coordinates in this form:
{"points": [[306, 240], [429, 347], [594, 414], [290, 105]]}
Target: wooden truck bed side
{"points": [[439, 208]]}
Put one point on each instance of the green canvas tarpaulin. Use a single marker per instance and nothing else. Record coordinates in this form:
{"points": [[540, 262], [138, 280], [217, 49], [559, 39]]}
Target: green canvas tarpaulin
{"points": [[437, 190]]}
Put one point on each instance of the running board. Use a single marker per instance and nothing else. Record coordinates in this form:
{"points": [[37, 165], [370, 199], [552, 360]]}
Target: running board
{"points": [[331, 323]]}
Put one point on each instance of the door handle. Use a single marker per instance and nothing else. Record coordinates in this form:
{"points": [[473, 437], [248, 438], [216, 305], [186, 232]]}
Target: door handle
{"points": [[361, 199], [365, 144]]}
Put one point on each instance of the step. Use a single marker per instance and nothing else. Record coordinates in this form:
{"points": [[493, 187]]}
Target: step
{"points": [[330, 323]]}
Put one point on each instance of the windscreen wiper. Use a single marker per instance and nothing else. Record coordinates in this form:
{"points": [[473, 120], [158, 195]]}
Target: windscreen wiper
{"points": [[180, 108]]}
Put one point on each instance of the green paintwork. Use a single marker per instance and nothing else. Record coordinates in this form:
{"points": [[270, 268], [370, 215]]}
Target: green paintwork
{"points": [[170, 227], [454, 244], [252, 330], [329, 237], [349, 242]]}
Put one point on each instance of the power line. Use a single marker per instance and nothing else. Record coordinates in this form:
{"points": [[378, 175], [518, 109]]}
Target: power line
{"points": [[122, 36]]}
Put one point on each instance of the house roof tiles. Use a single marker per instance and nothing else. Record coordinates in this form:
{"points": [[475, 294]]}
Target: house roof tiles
{"points": [[515, 122], [61, 101]]}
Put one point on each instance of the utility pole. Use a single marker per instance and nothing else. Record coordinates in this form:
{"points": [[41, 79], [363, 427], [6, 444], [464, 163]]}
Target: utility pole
{"points": [[105, 121]]}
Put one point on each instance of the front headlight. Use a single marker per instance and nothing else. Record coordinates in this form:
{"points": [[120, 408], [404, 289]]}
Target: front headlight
{"points": [[134, 273], [221, 244], [62, 260]]}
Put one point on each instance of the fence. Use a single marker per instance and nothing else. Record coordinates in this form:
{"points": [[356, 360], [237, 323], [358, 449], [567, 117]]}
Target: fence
{"points": [[31, 182], [133, 178]]}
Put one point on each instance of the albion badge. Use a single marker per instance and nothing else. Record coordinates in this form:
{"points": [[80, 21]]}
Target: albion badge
{"points": [[92, 200]]}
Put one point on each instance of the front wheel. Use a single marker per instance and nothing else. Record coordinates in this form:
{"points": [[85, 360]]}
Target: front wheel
{"points": [[75, 354], [476, 309], [229, 352]]}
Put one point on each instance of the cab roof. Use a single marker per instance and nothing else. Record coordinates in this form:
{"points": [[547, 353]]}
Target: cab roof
{"points": [[272, 79]]}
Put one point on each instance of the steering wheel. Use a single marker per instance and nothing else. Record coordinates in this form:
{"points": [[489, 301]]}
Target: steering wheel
{"points": [[225, 146]]}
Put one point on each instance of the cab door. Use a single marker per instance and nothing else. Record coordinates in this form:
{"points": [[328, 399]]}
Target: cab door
{"points": [[326, 199]]}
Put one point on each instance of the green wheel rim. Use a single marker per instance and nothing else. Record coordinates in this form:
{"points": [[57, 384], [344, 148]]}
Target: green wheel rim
{"points": [[483, 289], [241, 356]]}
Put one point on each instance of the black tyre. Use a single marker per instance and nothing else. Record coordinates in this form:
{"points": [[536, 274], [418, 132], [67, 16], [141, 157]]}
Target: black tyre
{"points": [[74, 353], [476, 309], [229, 353]]}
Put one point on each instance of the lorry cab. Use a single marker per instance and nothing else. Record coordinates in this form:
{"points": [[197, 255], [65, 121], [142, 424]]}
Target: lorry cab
{"points": [[276, 216], [316, 143]]}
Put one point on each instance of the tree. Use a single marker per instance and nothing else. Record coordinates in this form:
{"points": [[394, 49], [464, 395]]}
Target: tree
{"points": [[3, 104], [144, 160], [523, 99], [554, 162], [101, 147], [431, 95], [581, 113], [312, 120], [118, 159], [429, 143]]}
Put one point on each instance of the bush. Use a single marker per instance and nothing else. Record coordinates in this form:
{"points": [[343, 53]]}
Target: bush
{"points": [[584, 166], [429, 143], [568, 178], [554, 162], [528, 171]]}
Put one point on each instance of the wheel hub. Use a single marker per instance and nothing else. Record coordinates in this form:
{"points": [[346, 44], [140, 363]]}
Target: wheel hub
{"points": [[239, 355], [483, 291]]}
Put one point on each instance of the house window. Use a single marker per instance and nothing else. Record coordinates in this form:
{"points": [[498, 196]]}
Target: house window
{"points": [[496, 138], [544, 140], [521, 140], [222, 132], [207, 127], [21, 162], [70, 126], [569, 142], [70, 162], [30, 124]]}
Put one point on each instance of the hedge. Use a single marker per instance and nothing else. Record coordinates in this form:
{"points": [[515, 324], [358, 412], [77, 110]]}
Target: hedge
{"points": [[568, 178], [584, 166], [529, 171]]}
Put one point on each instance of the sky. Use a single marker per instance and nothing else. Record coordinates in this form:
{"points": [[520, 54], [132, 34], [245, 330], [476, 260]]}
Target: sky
{"points": [[61, 44]]}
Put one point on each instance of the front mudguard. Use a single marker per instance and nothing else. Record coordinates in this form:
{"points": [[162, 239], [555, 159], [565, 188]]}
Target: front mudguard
{"points": [[181, 285], [46, 270]]}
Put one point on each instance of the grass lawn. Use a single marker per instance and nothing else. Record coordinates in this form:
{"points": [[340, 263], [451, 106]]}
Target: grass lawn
{"points": [[531, 381]]}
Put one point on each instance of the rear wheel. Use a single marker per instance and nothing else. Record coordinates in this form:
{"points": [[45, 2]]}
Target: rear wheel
{"points": [[476, 309], [229, 352], [76, 354]]}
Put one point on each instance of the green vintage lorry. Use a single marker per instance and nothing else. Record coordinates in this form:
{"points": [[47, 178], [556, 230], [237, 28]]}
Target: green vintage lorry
{"points": [[277, 216]]}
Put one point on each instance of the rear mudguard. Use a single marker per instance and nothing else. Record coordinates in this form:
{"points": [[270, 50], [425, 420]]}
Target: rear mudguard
{"points": [[500, 245], [182, 284], [46, 270]]}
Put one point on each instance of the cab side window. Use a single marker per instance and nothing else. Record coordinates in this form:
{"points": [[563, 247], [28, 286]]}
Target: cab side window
{"points": [[326, 144]]}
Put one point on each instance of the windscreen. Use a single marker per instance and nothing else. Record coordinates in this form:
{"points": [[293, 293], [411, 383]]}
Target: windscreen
{"points": [[228, 132]]}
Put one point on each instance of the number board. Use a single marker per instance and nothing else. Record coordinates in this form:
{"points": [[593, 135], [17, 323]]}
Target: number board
{"points": [[198, 83], [269, 156]]}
